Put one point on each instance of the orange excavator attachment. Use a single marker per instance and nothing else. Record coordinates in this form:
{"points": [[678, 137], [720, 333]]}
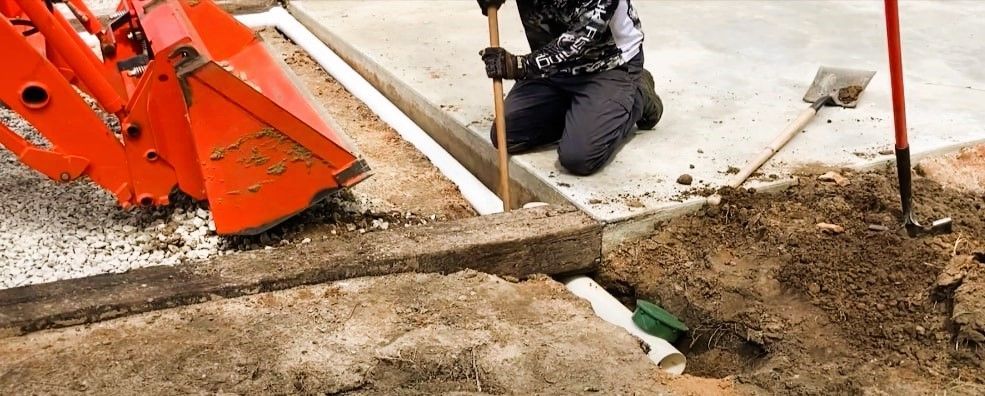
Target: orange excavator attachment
{"points": [[203, 107]]}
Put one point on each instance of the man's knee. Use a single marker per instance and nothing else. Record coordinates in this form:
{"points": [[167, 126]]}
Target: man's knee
{"points": [[513, 145], [578, 163], [492, 135]]}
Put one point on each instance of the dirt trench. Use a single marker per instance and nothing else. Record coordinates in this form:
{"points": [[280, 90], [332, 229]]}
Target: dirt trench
{"points": [[406, 334], [778, 305]]}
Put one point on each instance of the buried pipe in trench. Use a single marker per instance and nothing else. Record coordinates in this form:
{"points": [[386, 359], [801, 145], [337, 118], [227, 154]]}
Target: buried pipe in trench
{"points": [[662, 353], [607, 307]]}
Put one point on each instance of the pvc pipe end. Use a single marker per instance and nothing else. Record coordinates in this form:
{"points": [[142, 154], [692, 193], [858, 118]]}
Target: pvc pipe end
{"points": [[673, 363]]}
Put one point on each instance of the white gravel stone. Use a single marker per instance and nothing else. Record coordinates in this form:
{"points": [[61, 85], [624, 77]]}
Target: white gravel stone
{"points": [[51, 231]]}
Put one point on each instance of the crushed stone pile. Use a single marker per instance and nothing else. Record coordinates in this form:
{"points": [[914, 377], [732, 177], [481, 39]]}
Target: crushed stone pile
{"points": [[51, 231]]}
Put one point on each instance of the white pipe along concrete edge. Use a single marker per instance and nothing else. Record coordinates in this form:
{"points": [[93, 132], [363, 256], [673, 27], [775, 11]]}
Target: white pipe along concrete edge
{"points": [[477, 194], [666, 357]]}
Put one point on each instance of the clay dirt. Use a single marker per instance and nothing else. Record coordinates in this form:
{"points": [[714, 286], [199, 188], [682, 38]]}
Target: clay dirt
{"points": [[401, 334], [780, 303]]}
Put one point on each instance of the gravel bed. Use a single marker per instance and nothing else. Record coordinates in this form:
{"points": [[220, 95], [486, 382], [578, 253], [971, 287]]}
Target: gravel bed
{"points": [[51, 231]]}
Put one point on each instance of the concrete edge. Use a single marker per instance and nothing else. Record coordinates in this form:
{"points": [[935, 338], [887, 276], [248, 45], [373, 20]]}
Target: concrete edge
{"points": [[548, 240], [917, 157], [617, 233], [471, 150]]}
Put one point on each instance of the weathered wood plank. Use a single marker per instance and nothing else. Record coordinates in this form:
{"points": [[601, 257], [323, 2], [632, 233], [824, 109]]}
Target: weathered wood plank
{"points": [[548, 240]]}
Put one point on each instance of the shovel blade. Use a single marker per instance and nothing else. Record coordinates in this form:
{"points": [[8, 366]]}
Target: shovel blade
{"points": [[843, 85]]}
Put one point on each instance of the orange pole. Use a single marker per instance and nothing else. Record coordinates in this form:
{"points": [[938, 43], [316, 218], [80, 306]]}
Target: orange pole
{"points": [[82, 61], [896, 73]]}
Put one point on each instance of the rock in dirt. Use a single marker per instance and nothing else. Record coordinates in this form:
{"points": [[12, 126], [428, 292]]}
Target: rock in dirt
{"points": [[830, 228], [969, 309], [685, 179], [878, 228], [834, 177], [955, 271], [966, 276]]}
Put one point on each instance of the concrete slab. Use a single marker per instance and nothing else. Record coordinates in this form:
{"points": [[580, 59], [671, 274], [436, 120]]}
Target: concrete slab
{"points": [[731, 74]]}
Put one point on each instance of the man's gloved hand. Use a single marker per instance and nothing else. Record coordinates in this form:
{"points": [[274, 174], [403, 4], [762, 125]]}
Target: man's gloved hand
{"points": [[484, 5], [500, 63]]}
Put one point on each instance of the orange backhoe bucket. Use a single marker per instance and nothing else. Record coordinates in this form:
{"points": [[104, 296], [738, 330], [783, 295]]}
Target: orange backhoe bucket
{"points": [[206, 109], [264, 152]]}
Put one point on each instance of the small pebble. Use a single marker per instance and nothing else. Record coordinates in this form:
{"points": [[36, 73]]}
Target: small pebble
{"points": [[830, 228], [878, 228], [685, 179], [834, 177]]}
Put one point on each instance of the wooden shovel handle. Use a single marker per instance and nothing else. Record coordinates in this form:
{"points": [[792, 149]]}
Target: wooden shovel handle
{"points": [[781, 140], [498, 102]]}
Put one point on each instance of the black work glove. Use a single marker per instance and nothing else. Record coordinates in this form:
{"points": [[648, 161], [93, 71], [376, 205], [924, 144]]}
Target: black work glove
{"points": [[500, 63], [484, 5]]}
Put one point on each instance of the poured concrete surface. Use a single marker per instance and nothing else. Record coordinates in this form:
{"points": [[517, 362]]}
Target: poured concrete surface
{"points": [[731, 75]]}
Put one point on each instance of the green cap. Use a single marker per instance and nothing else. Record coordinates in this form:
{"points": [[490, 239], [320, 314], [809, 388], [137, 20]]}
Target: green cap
{"points": [[657, 322]]}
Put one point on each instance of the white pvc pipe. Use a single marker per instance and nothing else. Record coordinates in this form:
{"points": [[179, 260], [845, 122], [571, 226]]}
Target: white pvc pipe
{"points": [[668, 358], [477, 194]]}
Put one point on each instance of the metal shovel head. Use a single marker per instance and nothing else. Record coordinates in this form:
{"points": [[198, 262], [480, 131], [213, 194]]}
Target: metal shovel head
{"points": [[843, 85]]}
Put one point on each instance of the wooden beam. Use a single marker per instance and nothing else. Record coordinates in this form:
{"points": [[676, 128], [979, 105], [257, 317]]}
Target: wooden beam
{"points": [[545, 240]]}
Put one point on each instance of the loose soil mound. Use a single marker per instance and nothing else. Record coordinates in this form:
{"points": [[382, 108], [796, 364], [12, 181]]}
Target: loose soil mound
{"points": [[787, 307]]}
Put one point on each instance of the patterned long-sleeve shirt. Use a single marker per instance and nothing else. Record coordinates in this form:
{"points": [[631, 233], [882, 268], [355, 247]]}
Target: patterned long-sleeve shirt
{"points": [[571, 37]]}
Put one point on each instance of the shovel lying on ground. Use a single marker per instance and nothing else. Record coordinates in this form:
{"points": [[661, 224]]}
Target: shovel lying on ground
{"points": [[831, 87], [913, 228]]}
